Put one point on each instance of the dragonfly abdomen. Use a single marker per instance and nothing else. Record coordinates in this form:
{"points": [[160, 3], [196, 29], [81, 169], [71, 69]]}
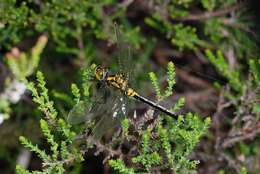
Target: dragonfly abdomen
{"points": [[130, 92], [119, 82], [154, 105]]}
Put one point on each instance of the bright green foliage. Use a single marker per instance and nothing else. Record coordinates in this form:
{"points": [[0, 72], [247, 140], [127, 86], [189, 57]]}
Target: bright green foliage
{"points": [[237, 83], [166, 145], [155, 24], [50, 138], [119, 166], [185, 136], [243, 170], [20, 170], [147, 157], [245, 150], [23, 64], [185, 37], [170, 80], [87, 76], [56, 131], [34, 148], [213, 28], [75, 27], [244, 96], [233, 75], [221, 30], [148, 160], [71, 25], [179, 104], [62, 97], [255, 70], [255, 82], [182, 36], [209, 4], [76, 92], [155, 84], [5, 109], [41, 97], [15, 17]]}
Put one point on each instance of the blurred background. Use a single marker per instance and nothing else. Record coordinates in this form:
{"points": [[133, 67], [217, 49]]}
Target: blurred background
{"points": [[212, 43]]}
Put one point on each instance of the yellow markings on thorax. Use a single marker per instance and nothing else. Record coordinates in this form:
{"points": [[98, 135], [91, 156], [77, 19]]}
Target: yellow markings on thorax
{"points": [[120, 83], [117, 81]]}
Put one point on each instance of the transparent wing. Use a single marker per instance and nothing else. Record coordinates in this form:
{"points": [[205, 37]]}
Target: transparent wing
{"points": [[110, 119], [131, 68], [124, 54], [106, 113], [85, 111], [78, 114]]}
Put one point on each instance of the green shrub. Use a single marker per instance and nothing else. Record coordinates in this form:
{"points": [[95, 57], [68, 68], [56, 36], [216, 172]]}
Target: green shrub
{"points": [[164, 145]]}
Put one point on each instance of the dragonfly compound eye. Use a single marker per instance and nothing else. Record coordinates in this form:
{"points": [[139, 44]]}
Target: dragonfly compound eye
{"points": [[100, 73]]}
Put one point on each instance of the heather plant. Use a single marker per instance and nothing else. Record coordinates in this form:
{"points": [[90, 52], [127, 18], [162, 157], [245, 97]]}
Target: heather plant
{"points": [[22, 65], [56, 131], [162, 145], [227, 25], [243, 94], [213, 45], [68, 23]]}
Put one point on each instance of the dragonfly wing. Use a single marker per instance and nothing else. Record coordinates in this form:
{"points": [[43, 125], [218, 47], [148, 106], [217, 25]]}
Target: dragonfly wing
{"points": [[111, 117], [85, 111], [105, 125], [130, 65], [124, 54], [80, 113]]}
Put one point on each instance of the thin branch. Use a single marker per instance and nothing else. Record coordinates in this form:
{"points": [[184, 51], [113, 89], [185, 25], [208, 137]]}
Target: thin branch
{"points": [[231, 162], [207, 15], [245, 136]]}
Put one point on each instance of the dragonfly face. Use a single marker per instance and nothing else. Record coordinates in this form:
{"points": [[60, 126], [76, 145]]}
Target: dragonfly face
{"points": [[101, 73]]}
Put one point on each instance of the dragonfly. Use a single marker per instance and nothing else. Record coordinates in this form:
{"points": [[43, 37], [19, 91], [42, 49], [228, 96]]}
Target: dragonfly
{"points": [[111, 96]]}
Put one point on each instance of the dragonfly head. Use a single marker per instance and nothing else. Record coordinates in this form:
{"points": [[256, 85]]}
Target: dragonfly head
{"points": [[100, 72]]}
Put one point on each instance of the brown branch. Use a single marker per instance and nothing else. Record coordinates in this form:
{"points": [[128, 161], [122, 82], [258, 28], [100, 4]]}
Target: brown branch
{"points": [[194, 100], [245, 136], [204, 16], [216, 117], [240, 26], [193, 80], [231, 162], [104, 148]]}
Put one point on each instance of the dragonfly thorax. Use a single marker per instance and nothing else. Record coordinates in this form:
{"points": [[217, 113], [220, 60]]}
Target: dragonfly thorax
{"points": [[120, 83], [117, 81]]}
